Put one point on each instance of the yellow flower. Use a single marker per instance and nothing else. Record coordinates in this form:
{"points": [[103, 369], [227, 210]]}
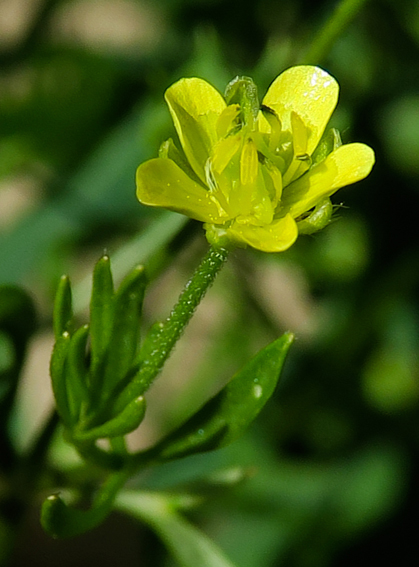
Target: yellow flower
{"points": [[254, 174]]}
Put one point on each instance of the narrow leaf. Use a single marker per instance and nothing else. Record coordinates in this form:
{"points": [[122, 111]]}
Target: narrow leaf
{"points": [[125, 331], [76, 375], [58, 377], [226, 416], [63, 310], [62, 521], [101, 314], [128, 420]]}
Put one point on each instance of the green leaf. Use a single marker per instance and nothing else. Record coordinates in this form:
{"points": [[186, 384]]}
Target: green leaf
{"points": [[58, 377], [63, 310], [189, 546], [125, 334], [62, 521], [101, 314], [76, 372], [128, 420], [226, 416]]}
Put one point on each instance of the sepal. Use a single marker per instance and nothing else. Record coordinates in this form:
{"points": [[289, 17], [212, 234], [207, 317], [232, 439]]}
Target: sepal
{"points": [[318, 219], [329, 142], [243, 92]]}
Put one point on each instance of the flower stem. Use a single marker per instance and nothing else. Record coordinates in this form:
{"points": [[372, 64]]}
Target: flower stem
{"points": [[162, 338], [341, 17]]}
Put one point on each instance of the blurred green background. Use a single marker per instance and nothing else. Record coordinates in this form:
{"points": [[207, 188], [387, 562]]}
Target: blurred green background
{"points": [[333, 460]]}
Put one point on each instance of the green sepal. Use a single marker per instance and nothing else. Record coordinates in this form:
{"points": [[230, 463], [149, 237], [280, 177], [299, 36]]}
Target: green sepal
{"points": [[58, 377], [76, 373], [128, 420], [125, 335], [318, 219], [329, 142], [101, 314], [243, 91], [63, 307], [226, 416]]}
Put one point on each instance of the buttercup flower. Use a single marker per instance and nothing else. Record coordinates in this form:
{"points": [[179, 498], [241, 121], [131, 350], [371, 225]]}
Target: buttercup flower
{"points": [[255, 174]]}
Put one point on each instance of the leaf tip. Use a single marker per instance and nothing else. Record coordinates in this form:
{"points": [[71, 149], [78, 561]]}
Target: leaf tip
{"points": [[288, 338]]}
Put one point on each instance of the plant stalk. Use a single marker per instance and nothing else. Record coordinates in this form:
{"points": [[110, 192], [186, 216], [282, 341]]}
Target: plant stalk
{"points": [[161, 339]]}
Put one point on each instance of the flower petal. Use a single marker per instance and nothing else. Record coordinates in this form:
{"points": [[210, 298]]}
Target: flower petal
{"points": [[195, 107], [346, 165], [275, 237], [308, 91], [161, 183], [168, 150]]}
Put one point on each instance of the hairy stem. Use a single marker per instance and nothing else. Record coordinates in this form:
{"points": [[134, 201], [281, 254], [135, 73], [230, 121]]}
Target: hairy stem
{"points": [[162, 338]]}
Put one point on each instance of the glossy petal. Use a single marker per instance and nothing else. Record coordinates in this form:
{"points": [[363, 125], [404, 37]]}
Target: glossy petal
{"points": [[275, 237], [308, 91], [346, 165], [161, 183], [195, 107], [169, 150]]}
